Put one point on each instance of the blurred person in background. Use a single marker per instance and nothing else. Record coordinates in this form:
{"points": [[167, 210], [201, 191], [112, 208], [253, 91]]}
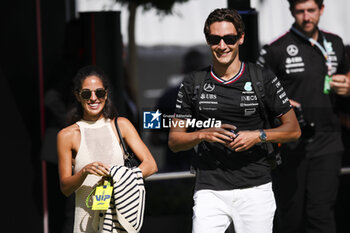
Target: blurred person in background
{"points": [[313, 68], [193, 60], [233, 182], [89, 146]]}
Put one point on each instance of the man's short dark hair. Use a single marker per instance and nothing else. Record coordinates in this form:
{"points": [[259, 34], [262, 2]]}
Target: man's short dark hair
{"points": [[224, 14], [292, 3]]}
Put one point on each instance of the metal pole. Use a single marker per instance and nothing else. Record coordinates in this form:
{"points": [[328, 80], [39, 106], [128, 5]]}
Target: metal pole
{"points": [[42, 115]]}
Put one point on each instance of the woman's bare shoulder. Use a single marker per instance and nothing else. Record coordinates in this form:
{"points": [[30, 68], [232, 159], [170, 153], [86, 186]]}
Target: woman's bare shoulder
{"points": [[122, 121], [69, 132], [125, 125]]}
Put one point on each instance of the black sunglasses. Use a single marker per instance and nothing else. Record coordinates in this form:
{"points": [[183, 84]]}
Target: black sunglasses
{"points": [[229, 39], [86, 93]]}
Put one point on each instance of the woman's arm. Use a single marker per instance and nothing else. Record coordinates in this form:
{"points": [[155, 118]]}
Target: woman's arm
{"points": [[68, 141], [148, 165]]}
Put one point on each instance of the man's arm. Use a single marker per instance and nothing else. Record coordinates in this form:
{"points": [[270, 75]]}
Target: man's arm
{"points": [[289, 130], [180, 139]]}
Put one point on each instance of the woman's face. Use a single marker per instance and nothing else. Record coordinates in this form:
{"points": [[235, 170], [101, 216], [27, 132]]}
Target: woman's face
{"points": [[92, 97]]}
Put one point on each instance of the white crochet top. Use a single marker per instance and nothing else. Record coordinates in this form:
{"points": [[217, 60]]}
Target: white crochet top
{"points": [[98, 143]]}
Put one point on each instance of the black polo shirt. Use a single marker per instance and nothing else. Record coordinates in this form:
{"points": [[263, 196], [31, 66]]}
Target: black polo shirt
{"points": [[301, 67], [232, 102]]}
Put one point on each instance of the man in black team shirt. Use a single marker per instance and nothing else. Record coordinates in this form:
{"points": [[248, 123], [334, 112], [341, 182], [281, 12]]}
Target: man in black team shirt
{"points": [[312, 66], [233, 182]]}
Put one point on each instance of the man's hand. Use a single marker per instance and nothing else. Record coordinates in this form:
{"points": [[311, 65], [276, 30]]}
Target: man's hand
{"points": [[244, 141], [341, 84], [221, 135], [180, 139], [294, 103]]}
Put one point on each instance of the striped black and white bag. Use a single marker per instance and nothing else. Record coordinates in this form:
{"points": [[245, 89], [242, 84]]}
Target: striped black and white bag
{"points": [[128, 202]]}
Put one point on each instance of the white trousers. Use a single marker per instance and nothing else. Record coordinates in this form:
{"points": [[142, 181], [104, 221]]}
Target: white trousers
{"points": [[251, 210]]}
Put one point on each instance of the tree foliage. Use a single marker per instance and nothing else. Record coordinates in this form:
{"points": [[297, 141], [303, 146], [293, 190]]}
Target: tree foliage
{"points": [[162, 6]]}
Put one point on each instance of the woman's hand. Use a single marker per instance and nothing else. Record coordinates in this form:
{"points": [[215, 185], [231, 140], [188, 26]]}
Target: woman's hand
{"points": [[96, 168]]}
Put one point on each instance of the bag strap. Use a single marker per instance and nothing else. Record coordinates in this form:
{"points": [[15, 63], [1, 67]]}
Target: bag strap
{"points": [[256, 77], [199, 78], [87, 200], [121, 137]]}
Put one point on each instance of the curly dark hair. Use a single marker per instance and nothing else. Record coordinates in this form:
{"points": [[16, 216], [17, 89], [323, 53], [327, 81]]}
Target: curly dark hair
{"points": [[76, 113], [292, 3], [224, 14]]}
